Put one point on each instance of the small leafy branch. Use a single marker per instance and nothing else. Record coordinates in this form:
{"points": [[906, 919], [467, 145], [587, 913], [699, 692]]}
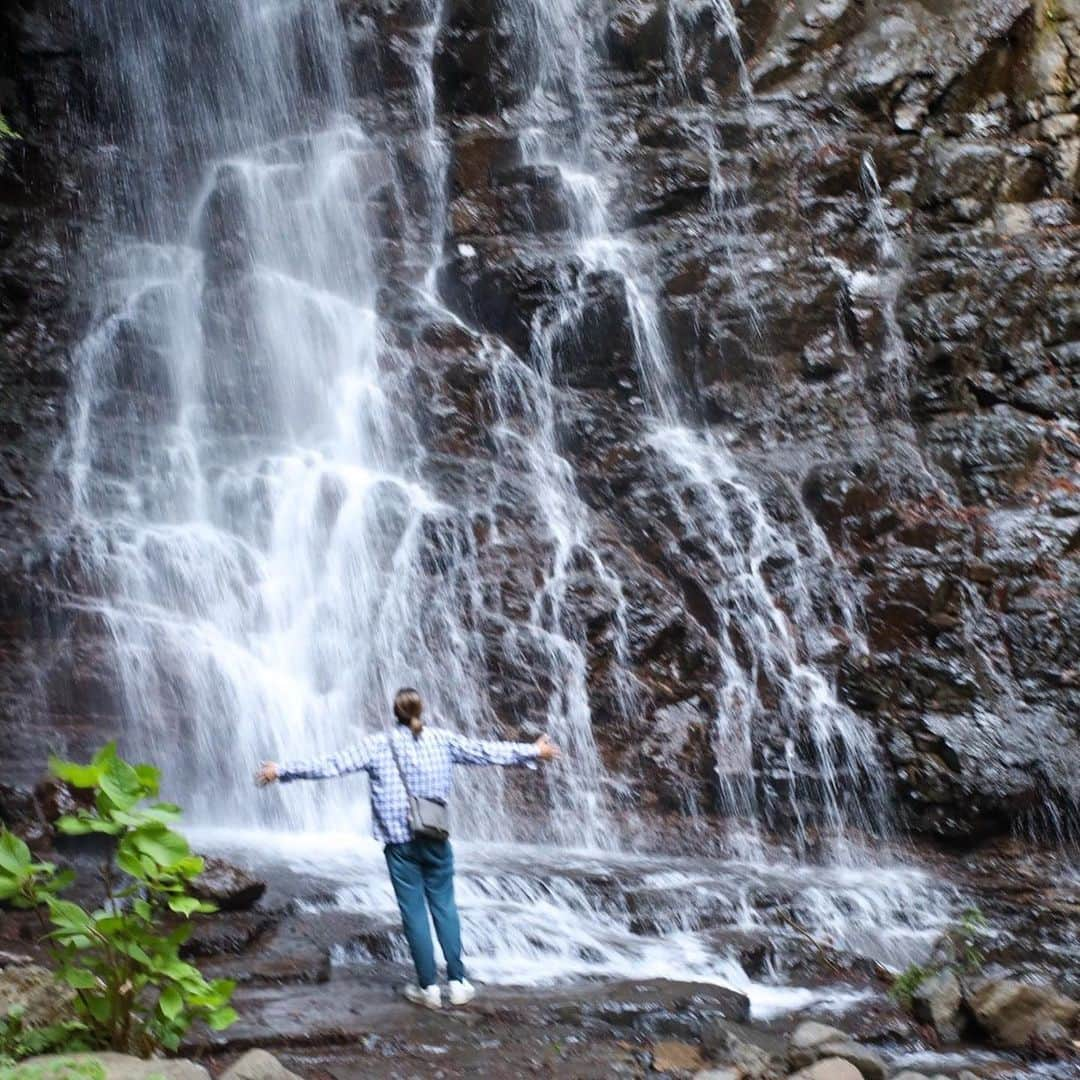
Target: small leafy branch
{"points": [[133, 993], [18, 1040], [956, 950], [6, 131]]}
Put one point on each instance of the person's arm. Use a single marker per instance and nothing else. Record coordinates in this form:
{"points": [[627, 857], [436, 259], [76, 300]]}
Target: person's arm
{"points": [[353, 759], [466, 751]]}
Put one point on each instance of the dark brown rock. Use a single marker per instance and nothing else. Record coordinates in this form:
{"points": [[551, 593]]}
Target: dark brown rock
{"points": [[229, 887]]}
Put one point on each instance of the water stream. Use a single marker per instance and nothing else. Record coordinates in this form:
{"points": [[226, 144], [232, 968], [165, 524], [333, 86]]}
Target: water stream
{"points": [[271, 550]]}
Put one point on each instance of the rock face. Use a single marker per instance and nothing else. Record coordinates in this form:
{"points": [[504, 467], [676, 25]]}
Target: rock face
{"points": [[869, 287]]}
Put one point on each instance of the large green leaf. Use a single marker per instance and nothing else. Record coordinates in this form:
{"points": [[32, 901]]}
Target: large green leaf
{"points": [[221, 1018], [121, 784], [98, 1006], [149, 777], [171, 1002], [14, 854], [163, 845], [129, 860], [188, 905], [79, 978], [80, 776], [68, 916]]}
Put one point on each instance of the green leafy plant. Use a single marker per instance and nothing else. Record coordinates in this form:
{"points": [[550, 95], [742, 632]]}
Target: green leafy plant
{"points": [[6, 131], [61, 1069], [965, 935], [133, 992], [17, 1040], [907, 982], [955, 950]]}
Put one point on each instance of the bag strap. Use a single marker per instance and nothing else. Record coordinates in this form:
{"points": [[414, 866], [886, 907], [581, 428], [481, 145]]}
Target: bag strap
{"points": [[397, 761]]}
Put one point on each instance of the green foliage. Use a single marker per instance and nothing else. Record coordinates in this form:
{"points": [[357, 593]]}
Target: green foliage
{"points": [[62, 1069], [5, 130], [972, 925], [19, 1041], [956, 950], [134, 993], [907, 982]]}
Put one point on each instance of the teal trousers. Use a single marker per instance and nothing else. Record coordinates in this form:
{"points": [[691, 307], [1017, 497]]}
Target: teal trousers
{"points": [[422, 873]]}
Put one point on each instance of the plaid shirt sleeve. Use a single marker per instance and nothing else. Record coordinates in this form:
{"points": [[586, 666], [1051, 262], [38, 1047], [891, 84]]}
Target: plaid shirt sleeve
{"points": [[466, 751], [352, 759]]}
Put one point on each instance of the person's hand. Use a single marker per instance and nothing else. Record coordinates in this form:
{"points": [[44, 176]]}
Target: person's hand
{"points": [[546, 750], [267, 774]]}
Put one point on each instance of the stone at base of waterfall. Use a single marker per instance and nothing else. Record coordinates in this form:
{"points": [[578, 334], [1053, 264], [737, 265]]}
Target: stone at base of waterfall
{"points": [[725, 1043], [258, 1065], [937, 1000], [729, 1073], [230, 887], [1018, 1014], [673, 1056], [33, 988], [828, 1069], [115, 1067], [812, 1042]]}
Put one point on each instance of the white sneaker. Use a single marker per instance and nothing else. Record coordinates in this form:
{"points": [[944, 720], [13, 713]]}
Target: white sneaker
{"points": [[429, 996], [461, 991]]}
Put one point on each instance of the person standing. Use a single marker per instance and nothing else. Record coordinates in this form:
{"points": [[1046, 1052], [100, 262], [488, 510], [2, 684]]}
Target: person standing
{"points": [[410, 766]]}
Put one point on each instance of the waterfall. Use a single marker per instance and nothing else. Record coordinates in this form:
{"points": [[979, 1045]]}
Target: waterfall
{"points": [[275, 548], [717, 506]]}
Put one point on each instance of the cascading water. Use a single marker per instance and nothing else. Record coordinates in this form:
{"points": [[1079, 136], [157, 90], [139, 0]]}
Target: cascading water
{"points": [[270, 548], [715, 503]]}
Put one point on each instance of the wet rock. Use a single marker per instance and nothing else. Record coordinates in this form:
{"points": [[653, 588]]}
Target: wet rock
{"points": [[1020, 1014], [20, 812], [258, 1065], [677, 1057], [828, 1069], [230, 887], [637, 33], [807, 1038], [870, 1065], [598, 345], [937, 1001], [227, 933], [479, 64], [753, 1054]]}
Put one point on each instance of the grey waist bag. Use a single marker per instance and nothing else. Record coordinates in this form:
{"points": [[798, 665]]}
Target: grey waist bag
{"points": [[429, 819]]}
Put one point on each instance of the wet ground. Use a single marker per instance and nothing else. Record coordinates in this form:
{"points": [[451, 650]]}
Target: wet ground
{"points": [[606, 965]]}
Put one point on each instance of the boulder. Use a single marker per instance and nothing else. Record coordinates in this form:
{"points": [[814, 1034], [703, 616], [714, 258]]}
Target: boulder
{"points": [[806, 1040], [813, 1042], [116, 1066], [828, 1069], [34, 989], [937, 1001], [258, 1065], [870, 1064], [1018, 1014], [724, 1041], [228, 886]]}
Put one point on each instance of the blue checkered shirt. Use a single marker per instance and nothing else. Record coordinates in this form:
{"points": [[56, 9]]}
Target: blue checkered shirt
{"points": [[428, 763]]}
